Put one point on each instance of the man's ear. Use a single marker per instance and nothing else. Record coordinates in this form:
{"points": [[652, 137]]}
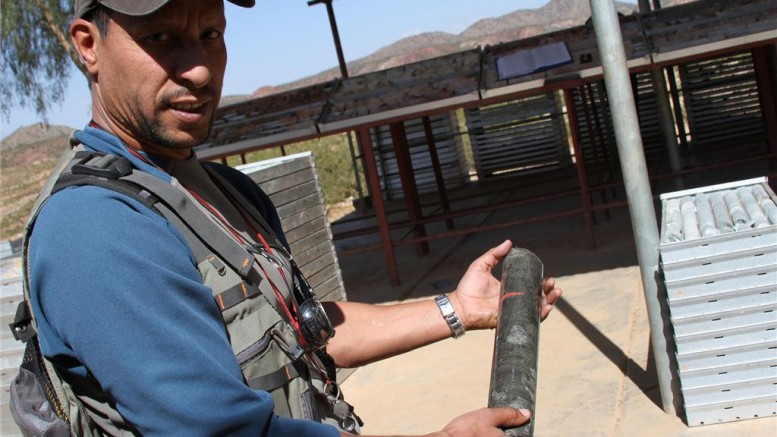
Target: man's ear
{"points": [[85, 37]]}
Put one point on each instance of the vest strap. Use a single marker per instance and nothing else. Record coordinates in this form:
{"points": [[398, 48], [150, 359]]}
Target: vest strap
{"points": [[274, 380], [247, 206], [232, 253], [236, 294]]}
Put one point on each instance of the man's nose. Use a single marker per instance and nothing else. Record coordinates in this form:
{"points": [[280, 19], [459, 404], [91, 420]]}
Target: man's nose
{"points": [[193, 66]]}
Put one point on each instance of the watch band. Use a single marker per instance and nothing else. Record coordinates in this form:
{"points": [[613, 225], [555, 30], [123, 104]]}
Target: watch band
{"points": [[450, 316]]}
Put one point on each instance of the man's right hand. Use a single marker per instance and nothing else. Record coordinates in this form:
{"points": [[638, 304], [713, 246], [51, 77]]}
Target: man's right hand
{"points": [[485, 422]]}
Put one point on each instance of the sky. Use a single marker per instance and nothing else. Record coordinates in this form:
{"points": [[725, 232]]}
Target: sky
{"points": [[279, 41]]}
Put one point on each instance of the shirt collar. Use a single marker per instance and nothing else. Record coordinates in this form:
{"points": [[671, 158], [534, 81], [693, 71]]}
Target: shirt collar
{"points": [[99, 140]]}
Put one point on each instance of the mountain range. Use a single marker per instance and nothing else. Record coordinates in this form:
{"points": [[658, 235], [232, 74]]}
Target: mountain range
{"points": [[522, 23]]}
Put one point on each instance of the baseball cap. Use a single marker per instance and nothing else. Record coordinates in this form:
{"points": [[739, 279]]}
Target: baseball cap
{"points": [[134, 7]]}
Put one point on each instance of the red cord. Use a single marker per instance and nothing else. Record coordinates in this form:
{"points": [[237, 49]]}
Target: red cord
{"points": [[292, 319]]}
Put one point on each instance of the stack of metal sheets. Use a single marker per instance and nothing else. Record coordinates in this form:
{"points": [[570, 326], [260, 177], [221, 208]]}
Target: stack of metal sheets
{"points": [[719, 263]]}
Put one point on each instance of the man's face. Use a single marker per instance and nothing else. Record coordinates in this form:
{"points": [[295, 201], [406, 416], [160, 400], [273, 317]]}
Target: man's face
{"points": [[159, 77]]}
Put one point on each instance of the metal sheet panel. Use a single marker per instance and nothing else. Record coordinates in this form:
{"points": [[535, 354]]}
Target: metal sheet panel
{"points": [[445, 140], [518, 137]]}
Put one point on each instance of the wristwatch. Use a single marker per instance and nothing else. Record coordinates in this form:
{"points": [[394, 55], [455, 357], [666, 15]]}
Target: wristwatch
{"points": [[450, 316]]}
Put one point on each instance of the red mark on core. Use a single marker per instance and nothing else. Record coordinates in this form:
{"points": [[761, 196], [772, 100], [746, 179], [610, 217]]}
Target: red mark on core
{"points": [[513, 293]]}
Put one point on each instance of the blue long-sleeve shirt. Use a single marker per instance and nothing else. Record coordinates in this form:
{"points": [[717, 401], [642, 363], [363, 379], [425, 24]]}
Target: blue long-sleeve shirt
{"points": [[117, 294]]}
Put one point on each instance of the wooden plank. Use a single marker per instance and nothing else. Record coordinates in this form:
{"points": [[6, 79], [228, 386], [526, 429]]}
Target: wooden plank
{"points": [[300, 204], [291, 180], [305, 230], [309, 241], [326, 259], [331, 289], [313, 252], [284, 197], [324, 274], [301, 218], [281, 171]]}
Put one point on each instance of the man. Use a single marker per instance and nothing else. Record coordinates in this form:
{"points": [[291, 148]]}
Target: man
{"points": [[123, 302]]}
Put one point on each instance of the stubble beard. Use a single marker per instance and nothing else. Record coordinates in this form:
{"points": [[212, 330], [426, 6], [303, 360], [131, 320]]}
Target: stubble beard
{"points": [[153, 132]]}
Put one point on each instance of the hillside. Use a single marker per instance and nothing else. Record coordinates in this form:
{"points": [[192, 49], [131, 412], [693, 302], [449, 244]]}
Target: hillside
{"points": [[522, 23], [27, 157], [31, 144]]}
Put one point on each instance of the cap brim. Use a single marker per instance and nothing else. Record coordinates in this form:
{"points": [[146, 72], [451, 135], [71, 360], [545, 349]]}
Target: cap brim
{"points": [[139, 8], [136, 8]]}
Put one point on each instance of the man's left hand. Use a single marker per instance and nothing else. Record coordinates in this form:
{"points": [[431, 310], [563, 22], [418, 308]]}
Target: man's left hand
{"points": [[476, 299]]}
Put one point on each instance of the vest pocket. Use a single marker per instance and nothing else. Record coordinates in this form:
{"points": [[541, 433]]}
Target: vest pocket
{"points": [[274, 364], [30, 408]]}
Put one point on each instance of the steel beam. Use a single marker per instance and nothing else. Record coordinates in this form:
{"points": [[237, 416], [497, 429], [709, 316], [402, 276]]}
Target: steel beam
{"points": [[371, 168], [582, 172], [406, 176], [438, 177]]}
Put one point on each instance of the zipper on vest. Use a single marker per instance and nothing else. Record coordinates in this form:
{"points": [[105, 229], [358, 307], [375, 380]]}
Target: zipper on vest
{"points": [[251, 352]]}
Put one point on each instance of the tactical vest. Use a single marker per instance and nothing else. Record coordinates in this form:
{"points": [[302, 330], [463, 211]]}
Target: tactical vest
{"points": [[246, 282]]}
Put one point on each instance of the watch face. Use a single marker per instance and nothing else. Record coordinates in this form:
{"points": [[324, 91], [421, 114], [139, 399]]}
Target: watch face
{"points": [[450, 316], [314, 323]]}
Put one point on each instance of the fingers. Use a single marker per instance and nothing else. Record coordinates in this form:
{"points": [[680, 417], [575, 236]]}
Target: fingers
{"points": [[490, 259], [549, 298], [548, 284], [502, 250], [486, 422], [551, 292], [506, 417]]}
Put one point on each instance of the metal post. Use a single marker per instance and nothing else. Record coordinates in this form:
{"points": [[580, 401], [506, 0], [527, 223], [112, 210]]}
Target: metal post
{"points": [[582, 172], [355, 167], [407, 177], [665, 113], [335, 34], [667, 122], [635, 176], [437, 168], [763, 59], [377, 200], [674, 94]]}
